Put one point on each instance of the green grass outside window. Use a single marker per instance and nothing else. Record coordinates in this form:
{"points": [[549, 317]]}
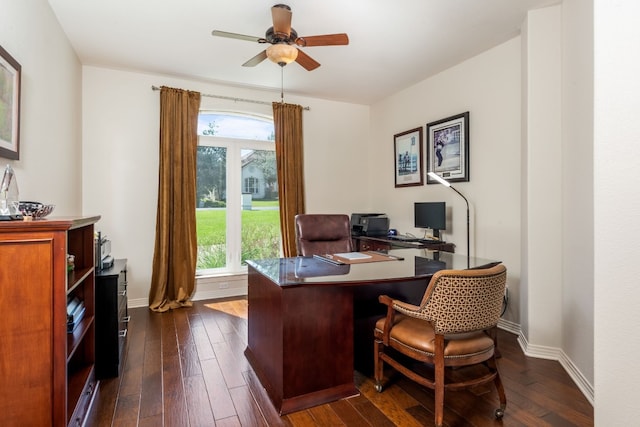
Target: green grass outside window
{"points": [[260, 234]]}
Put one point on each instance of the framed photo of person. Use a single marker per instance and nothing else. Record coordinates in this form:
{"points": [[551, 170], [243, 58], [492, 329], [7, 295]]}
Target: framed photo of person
{"points": [[448, 148], [9, 106], [407, 158]]}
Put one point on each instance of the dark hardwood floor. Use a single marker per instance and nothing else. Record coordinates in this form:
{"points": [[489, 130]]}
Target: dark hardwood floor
{"points": [[187, 368]]}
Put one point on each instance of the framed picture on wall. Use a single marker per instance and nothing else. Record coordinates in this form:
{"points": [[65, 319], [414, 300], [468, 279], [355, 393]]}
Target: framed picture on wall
{"points": [[9, 106], [448, 148], [407, 158]]}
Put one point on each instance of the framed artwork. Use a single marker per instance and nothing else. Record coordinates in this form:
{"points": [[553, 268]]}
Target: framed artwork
{"points": [[448, 148], [9, 106], [407, 158]]}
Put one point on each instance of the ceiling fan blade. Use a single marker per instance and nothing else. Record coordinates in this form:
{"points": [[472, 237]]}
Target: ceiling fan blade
{"points": [[219, 33], [256, 59], [281, 15], [324, 40], [307, 62]]}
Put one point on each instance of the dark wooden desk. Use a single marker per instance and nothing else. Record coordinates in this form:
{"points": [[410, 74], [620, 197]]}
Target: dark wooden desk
{"points": [[368, 243], [310, 322]]}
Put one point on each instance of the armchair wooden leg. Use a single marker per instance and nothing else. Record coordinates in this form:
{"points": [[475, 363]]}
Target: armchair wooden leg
{"points": [[499, 387], [439, 380], [378, 365]]}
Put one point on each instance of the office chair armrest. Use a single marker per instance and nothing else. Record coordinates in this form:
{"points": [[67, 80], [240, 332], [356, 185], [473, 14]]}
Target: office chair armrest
{"points": [[401, 306], [394, 305], [388, 301], [408, 309]]}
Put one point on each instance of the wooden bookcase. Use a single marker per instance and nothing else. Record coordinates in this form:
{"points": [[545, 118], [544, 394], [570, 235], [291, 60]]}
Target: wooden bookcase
{"points": [[47, 376]]}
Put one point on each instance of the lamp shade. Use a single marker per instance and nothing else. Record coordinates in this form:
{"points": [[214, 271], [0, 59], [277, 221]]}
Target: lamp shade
{"points": [[439, 179], [282, 54]]}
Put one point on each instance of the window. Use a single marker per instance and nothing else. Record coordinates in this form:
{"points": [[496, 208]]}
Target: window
{"points": [[251, 185], [237, 214]]}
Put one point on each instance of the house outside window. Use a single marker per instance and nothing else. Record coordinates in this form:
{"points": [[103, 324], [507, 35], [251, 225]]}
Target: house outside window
{"points": [[237, 214]]}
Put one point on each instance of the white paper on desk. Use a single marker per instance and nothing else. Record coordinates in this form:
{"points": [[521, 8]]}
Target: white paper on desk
{"points": [[352, 255]]}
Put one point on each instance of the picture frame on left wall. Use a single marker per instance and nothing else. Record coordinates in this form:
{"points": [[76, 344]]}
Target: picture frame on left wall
{"points": [[10, 71], [408, 158]]}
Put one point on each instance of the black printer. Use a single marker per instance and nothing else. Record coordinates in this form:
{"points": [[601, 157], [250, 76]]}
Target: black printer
{"points": [[369, 224]]}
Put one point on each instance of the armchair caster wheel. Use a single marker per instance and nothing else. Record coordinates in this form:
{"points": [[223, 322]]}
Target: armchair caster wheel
{"points": [[499, 413], [378, 388]]}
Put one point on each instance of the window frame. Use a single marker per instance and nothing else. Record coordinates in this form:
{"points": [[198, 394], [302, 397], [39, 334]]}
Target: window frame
{"points": [[234, 147]]}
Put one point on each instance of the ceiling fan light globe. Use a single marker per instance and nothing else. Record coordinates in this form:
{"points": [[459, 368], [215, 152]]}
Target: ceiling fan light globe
{"points": [[282, 54]]}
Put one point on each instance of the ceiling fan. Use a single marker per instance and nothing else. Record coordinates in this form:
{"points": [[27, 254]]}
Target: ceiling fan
{"points": [[284, 41]]}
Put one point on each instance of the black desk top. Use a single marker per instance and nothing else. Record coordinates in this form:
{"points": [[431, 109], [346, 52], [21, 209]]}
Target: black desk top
{"points": [[417, 263], [118, 266]]}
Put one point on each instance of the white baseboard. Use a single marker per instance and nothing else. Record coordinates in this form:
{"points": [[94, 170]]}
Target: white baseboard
{"points": [[552, 353], [509, 326], [198, 296], [219, 293], [211, 287], [138, 302]]}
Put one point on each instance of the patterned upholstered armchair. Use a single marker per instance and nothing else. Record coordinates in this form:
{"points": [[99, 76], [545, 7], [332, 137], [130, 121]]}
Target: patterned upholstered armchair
{"points": [[318, 234], [454, 326]]}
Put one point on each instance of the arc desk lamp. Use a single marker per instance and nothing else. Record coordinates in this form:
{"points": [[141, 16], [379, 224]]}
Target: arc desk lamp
{"points": [[448, 184]]}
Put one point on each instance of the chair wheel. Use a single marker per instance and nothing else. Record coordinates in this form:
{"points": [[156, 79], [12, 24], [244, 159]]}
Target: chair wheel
{"points": [[499, 413], [378, 388]]}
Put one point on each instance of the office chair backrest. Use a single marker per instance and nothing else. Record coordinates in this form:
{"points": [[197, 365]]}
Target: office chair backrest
{"points": [[460, 301], [318, 234]]}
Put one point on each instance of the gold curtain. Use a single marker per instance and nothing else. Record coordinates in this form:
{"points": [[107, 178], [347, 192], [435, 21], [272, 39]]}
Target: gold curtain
{"points": [[174, 258], [287, 119]]}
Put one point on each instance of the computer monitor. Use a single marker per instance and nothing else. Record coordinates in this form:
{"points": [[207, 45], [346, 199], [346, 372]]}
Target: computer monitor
{"points": [[431, 215]]}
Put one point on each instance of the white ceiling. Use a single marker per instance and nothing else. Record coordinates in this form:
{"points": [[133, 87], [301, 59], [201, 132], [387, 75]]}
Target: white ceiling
{"points": [[392, 44]]}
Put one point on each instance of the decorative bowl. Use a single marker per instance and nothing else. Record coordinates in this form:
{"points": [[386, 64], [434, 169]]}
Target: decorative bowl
{"points": [[36, 210]]}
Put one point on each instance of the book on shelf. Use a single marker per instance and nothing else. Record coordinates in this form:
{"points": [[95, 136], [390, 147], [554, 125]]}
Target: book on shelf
{"points": [[75, 312], [72, 305], [77, 318]]}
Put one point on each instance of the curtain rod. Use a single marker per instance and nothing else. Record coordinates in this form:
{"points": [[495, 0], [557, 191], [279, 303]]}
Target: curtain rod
{"points": [[230, 98]]}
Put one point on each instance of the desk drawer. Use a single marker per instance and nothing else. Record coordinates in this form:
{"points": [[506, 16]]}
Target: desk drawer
{"points": [[370, 245]]}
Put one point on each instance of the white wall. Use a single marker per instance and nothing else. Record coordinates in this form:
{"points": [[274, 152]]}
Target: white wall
{"points": [[49, 168], [488, 86], [557, 298], [616, 211], [120, 158], [577, 179], [542, 124]]}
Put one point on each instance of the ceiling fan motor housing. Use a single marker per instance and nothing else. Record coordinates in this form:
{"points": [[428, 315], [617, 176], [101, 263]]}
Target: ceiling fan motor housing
{"points": [[282, 6], [274, 38]]}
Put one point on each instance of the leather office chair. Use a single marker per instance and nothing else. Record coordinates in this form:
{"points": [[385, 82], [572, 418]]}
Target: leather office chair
{"points": [[454, 326], [318, 234]]}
